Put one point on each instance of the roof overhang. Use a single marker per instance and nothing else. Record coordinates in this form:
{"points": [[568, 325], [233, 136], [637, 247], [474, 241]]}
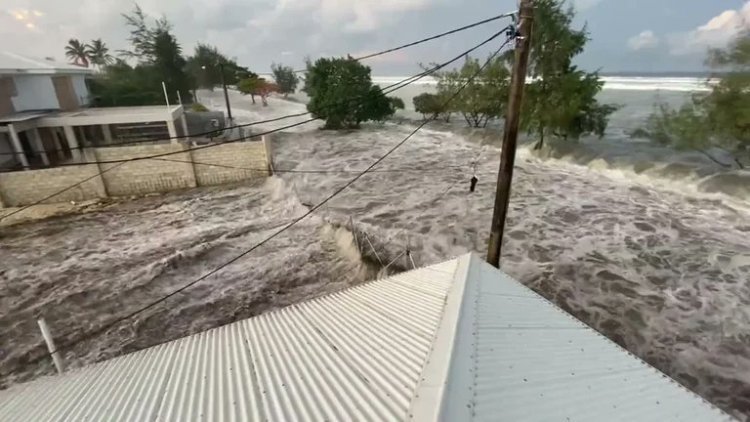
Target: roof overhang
{"points": [[94, 116], [85, 72]]}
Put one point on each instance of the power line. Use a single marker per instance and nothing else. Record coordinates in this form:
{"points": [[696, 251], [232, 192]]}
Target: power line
{"points": [[325, 171], [387, 90], [141, 141], [278, 232], [434, 37], [215, 131], [394, 87], [121, 162]]}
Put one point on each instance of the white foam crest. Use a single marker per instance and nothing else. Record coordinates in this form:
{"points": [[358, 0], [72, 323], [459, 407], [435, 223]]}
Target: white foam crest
{"points": [[634, 83], [691, 186]]}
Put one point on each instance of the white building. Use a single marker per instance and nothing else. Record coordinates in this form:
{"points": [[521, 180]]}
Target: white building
{"points": [[42, 120]]}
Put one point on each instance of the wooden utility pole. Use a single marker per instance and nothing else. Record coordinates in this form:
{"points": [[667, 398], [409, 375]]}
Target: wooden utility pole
{"points": [[510, 135], [226, 95]]}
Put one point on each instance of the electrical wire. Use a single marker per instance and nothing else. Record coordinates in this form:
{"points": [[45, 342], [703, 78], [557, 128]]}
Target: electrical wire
{"points": [[216, 131], [316, 171], [385, 90], [431, 38], [276, 233], [137, 142], [393, 88]]}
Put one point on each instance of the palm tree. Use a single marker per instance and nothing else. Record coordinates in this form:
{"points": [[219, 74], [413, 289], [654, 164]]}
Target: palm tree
{"points": [[98, 53], [76, 51]]}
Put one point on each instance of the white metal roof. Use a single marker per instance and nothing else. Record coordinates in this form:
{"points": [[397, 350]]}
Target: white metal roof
{"points": [[12, 63], [112, 115], [455, 341]]}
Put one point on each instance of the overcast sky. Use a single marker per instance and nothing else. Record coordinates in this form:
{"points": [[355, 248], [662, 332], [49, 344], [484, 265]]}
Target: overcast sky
{"points": [[627, 35]]}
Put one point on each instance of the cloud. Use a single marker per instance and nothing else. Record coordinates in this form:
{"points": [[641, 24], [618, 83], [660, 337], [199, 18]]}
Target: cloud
{"points": [[581, 5], [644, 40], [346, 15], [717, 32], [257, 32]]}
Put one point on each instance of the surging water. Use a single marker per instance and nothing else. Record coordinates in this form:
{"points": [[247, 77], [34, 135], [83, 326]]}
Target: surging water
{"points": [[662, 273], [657, 267]]}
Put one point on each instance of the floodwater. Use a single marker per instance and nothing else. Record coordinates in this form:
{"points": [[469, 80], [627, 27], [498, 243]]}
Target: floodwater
{"points": [[660, 267]]}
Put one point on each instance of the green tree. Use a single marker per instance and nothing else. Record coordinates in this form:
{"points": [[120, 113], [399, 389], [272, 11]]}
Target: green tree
{"points": [[561, 99], [77, 52], [341, 92], [396, 103], [285, 78], [158, 51], [718, 120], [204, 66], [98, 53], [484, 96], [253, 86], [429, 105], [123, 85]]}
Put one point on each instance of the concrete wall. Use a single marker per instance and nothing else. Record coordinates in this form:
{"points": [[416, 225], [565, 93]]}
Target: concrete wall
{"points": [[34, 92], [184, 169], [247, 155], [201, 122], [6, 159], [27, 187], [82, 91], [146, 176]]}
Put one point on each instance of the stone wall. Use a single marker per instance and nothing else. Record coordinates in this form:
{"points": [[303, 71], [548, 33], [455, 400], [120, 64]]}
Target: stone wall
{"points": [[204, 166], [229, 163], [139, 177], [20, 188]]}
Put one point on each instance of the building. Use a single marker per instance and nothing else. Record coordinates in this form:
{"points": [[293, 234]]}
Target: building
{"points": [[456, 341], [45, 119]]}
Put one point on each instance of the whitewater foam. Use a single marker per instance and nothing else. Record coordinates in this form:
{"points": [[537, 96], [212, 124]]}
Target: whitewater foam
{"points": [[663, 271], [682, 84]]}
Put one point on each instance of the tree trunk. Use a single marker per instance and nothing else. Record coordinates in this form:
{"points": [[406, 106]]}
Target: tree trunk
{"points": [[540, 143], [712, 158], [739, 163], [486, 120], [252, 96]]}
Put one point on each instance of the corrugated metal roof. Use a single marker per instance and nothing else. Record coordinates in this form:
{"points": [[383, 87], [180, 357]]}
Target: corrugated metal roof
{"points": [[523, 358], [352, 355], [454, 341]]}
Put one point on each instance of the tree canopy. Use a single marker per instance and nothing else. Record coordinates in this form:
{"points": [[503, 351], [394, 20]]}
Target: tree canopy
{"points": [[561, 99], [285, 78], [255, 85], [483, 98], [159, 57], [123, 85], [204, 66], [427, 104], [98, 53], [718, 119], [341, 92], [76, 52]]}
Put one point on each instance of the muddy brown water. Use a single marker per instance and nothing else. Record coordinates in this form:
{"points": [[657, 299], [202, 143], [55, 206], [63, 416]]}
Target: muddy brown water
{"points": [[663, 273]]}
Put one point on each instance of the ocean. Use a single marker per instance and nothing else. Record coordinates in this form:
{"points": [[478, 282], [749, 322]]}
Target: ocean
{"points": [[648, 245]]}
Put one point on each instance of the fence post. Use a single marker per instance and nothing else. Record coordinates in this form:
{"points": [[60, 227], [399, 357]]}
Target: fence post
{"points": [[269, 157], [56, 358]]}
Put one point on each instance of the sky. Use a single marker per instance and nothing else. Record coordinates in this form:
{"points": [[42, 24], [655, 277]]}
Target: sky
{"points": [[626, 35]]}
